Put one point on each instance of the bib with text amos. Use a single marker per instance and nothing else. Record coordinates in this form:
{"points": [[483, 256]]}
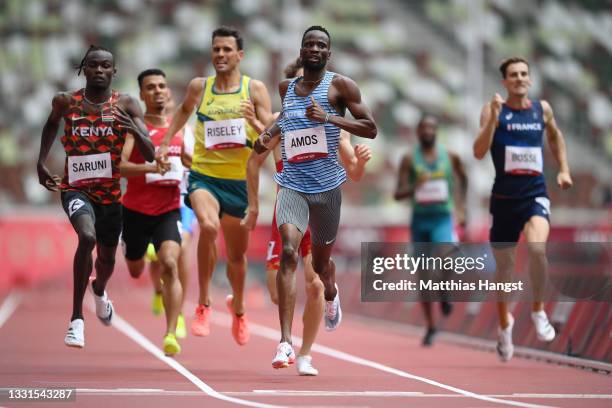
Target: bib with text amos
{"points": [[172, 177], [306, 144], [432, 191], [523, 160], [225, 134], [90, 168]]}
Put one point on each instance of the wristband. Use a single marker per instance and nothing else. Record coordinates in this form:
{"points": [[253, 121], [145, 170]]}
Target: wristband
{"points": [[326, 118]]}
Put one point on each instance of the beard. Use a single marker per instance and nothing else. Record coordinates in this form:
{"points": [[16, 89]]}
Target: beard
{"points": [[310, 66], [428, 143]]}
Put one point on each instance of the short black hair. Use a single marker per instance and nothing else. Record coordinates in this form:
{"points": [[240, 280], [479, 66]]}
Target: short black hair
{"points": [[91, 49], [427, 115], [316, 28], [509, 61], [225, 31], [148, 72]]}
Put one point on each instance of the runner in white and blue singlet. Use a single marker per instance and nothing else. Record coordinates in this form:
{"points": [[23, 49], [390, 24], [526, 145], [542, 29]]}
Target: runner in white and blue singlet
{"points": [[514, 130], [313, 114]]}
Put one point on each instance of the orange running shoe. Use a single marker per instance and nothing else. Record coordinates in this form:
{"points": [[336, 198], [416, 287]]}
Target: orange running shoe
{"points": [[200, 326], [240, 329]]}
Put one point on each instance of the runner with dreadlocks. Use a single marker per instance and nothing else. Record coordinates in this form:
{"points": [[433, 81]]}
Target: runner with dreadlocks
{"points": [[98, 121]]}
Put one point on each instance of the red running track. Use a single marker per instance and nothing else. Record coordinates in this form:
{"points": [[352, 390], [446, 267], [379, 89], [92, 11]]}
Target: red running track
{"points": [[363, 364]]}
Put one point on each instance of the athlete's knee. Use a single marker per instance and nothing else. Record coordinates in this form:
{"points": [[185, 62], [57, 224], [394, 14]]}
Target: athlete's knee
{"points": [[169, 265], [537, 249], [209, 229], [135, 269], [87, 239], [289, 256], [315, 288]]}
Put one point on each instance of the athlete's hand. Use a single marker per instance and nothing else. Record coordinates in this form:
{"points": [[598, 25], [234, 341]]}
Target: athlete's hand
{"points": [[496, 105], [315, 112], [248, 111], [250, 219], [48, 181], [363, 153], [162, 166], [564, 180], [162, 153], [124, 119]]}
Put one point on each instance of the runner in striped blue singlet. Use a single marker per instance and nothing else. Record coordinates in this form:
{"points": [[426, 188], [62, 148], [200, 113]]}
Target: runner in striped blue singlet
{"points": [[314, 106], [513, 130]]}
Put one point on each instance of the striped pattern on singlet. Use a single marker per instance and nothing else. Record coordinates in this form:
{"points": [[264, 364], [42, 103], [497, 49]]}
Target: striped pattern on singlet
{"points": [[317, 175]]}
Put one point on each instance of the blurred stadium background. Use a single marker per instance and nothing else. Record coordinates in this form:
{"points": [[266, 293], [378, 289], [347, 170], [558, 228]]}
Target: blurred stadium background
{"points": [[408, 57]]}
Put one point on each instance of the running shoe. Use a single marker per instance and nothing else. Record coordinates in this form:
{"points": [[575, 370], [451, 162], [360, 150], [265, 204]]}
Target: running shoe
{"points": [[304, 366], [200, 326], [333, 312], [171, 346], [240, 328], [181, 330], [284, 356], [157, 305], [430, 334], [545, 330], [75, 336], [505, 348], [104, 307]]}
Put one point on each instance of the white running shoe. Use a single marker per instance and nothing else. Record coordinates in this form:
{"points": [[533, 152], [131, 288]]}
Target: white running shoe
{"points": [[333, 312], [545, 330], [75, 336], [104, 307], [284, 355], [304, 366], [505, 348]]}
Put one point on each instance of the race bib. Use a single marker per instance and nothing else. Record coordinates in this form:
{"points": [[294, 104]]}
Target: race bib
{"points": [[171, 178], [523, 160], [225, 134], [91, 168], [432, 191], [305, 144]]}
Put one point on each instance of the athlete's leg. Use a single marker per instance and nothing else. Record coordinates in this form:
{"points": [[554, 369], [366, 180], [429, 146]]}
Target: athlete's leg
{"points": [[536, 234], [183, 265], [168, 256], [285, 279], [313, 309], [271, 283], [237, 242], [504, 259], [206, 208], [105, 264], [83, 261]]}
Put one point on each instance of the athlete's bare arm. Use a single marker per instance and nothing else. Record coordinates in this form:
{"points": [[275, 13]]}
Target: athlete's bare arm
{"points": [[130, 169], [195, 89], [59, 105], [129, 115], [353, 159], [186, 158], [404, 188], [488, 124], [254, 164], [461, 175], [557, 146], [261, 102], [273, 130], [346, 94]]}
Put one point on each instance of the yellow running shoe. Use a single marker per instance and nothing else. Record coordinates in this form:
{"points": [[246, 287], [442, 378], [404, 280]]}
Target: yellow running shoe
{"points": [[157, 306], [171, 346], [181, 331], [151, 254]]}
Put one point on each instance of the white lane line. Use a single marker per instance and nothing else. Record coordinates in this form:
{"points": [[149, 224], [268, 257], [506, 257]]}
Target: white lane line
{"points": [[131, 332], [223, 319], [9, 306], [315, 393]]}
